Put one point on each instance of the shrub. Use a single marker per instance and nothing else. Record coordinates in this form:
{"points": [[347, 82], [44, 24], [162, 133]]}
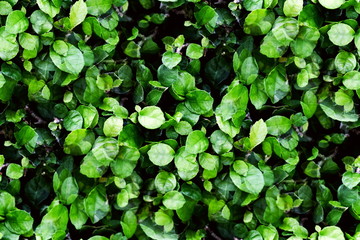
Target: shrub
{"points": [[174, 119]]}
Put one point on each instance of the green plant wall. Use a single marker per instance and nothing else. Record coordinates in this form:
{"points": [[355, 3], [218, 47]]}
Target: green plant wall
{"points": [[179, 119]]}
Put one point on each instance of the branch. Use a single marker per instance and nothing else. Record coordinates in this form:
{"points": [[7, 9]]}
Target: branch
{"points": [[212, 234], [4, 166], [39, 120]]}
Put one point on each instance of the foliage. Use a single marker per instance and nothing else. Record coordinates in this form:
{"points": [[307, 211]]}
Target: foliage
{"points": [[179, 119]]}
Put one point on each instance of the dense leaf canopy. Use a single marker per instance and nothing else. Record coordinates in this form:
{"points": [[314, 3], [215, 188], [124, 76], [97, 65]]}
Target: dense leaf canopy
{"points": [[179, 119]]}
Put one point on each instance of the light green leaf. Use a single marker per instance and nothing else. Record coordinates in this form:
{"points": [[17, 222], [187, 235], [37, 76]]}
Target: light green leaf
{"points": [[196, 142], [331, 4], [171, 59], [161, 154], [292, 8], [258, 132], [351, 80], [350, 179], [129, 223], [259, 22], [309, 104], [55, 220], [19, 221], [16, 22], [173, 200], [194, 51], [276, 84], [79, 142], [7, 203], [341, 34], [77, 213], [337, 112], [96, 204], [14, 171], [331, 233], [165, 182], [5, 8], [278, 125], [78, 12], [48, 7], [151, 117], [199, 101], [345, 62], [98, 7], [113, 126]]}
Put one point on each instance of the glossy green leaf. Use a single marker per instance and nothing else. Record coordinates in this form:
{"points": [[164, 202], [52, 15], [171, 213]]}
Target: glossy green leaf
{"points": [[278, 125], [161, 154], [16, 22], [341, 34], [96, 204], [78, 13], [151, 117]]}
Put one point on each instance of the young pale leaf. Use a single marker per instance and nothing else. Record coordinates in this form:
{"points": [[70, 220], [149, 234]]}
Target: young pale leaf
{"points": [[278, 125], [258, 132], [345, 62], [199, 101], [351, 80], [96, 204], [196, 142], [194, 51], [331, 4], [79, 142], [173, 200], [165, 182], [276, 84], [341, 34], [16, 22], [171, 59], [331, 233], [292, 8], [7, 203], [309, 104], [113, 126], [161, 154], [151, 117], [19, 221], [98, 7], [78, 12], [55, 220], [259, 22], [129, 223]]}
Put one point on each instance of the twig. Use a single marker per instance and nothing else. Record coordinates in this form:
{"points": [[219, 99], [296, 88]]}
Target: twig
{"points": [[207, 228], [39, 120], [118, 11], [4, 166]]}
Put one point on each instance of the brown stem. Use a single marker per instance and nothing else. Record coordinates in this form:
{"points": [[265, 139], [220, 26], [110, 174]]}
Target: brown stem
{"points": [[211, 232], [39, 120]]}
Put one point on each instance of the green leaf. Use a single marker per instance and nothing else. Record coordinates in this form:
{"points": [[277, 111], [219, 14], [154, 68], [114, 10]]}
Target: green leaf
{"points": [[278, 125], [252, 182], [345, 62], [113, 126], [96, 204], [77, 213], [165, 182], [258, 132], [73, 121], [9, 48], [69, 190], [173, 200], [171, 59], [125, 162], [79, 142], [48, 7], [305, 42], [259, 22], [5, 8], [98, 7], [292, 8], [18, 221], [194, 51], [161, 154], [186, 164], [68, 58], [199, 101], [331, 4], [276, 84], [337, 113], [350, 179], [309, 104], [14, 171], [221, 142], [7, 203], [196, 142], [16, 22], [78, 12], [331, 233], [151, 117], [341, 34], [204, 15], [351, 80], [55, 220], [41, 22], [129, 223]]}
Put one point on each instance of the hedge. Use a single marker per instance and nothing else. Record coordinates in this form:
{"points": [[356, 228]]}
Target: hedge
{"points": [[179, 119]]}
